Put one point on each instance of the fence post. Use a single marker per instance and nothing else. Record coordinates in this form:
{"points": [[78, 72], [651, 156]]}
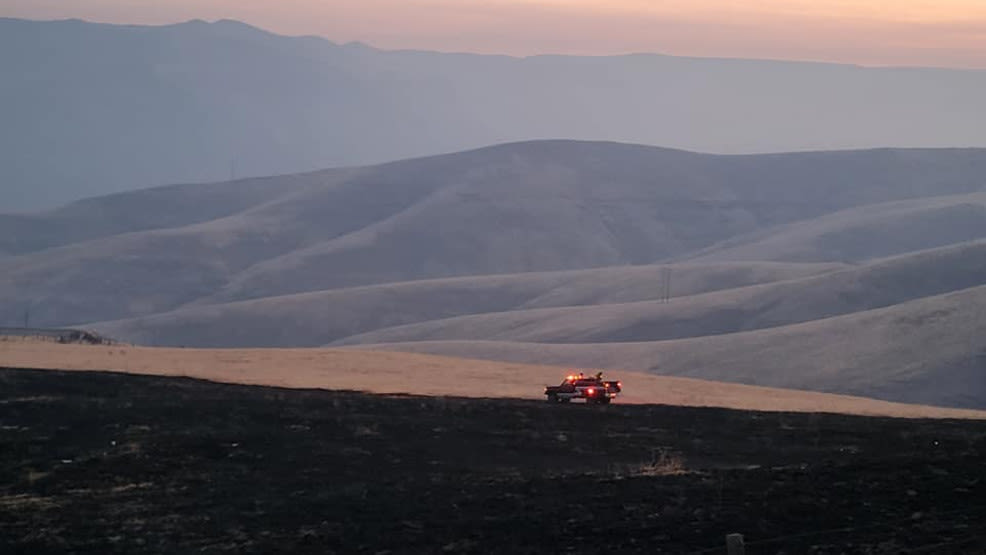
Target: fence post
{"points": [[734, 544]]}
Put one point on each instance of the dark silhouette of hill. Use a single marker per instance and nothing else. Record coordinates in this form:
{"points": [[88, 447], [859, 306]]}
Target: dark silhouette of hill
{"points": [[90, 109]]}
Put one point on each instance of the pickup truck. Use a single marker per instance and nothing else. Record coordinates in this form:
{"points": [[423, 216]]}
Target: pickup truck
{"points": [[591, 388]]}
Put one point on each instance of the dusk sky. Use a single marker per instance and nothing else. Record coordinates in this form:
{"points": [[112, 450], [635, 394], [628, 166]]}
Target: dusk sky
{"points": [[948, 33]]}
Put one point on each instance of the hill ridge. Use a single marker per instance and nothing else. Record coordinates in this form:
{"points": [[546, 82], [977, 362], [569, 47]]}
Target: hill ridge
{"points": [[344, 105]]}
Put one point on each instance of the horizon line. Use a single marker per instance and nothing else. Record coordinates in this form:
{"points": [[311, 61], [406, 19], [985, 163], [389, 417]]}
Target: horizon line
{"points": [[370, 46]]}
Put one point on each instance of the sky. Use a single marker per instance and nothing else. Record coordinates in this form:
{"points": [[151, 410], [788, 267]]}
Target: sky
{"points": [[942, 33]]}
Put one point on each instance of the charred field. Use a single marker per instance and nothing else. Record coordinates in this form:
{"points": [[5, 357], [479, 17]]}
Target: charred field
{"points": [[100, 462]]}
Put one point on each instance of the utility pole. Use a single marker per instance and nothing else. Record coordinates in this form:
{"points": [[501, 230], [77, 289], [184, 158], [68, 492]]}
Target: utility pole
{"points": [[666, 285]]}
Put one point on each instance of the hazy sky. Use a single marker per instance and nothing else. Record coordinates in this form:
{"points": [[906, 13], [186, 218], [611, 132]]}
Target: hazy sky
{"points": [[872, 32]]}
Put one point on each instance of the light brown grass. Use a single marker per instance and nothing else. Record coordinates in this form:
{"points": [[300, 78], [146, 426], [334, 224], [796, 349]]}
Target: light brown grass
{"points": [[392, 372]]}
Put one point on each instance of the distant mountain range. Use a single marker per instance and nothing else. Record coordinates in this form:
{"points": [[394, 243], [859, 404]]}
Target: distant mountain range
{"points": [[89, 109], [860, 272]]}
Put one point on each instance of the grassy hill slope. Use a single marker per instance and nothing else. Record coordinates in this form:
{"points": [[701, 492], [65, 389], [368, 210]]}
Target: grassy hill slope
{"points": [[929, 350], [313, 319], [862, 233], [524, 207], [383, 372], [879, 284]]}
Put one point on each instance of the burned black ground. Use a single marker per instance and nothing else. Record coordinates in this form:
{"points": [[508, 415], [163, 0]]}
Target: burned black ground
{"points": [[97, 463]]}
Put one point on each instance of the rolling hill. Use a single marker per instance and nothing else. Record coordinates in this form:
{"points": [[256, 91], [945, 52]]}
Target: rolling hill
{"points": [[90, 109], [143, 210], [852, 272], [879, 284], [524, 207], [314, 319], [862, 233], [929, 351]]}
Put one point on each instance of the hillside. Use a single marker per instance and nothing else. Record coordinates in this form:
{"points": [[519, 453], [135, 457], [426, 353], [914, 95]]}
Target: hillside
{"points": [[91, 109], [878, 284], [547, 251], [314, 319], [862, 233], [382, 372], [525, 207], [147, 209], [925, 351]]}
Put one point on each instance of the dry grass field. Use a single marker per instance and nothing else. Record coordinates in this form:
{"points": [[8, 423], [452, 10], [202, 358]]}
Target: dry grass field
{"points": [[392, 372]]}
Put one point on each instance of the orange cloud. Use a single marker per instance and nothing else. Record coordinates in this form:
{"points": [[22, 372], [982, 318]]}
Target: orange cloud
{"points": [[923, 11], [875, 32]]}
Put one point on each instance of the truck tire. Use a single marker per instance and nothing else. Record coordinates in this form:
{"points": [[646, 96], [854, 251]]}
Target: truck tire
{"points": [[552, 398]]}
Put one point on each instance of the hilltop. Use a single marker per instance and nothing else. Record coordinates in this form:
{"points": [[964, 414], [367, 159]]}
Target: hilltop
{"points": [[91, 109]]}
